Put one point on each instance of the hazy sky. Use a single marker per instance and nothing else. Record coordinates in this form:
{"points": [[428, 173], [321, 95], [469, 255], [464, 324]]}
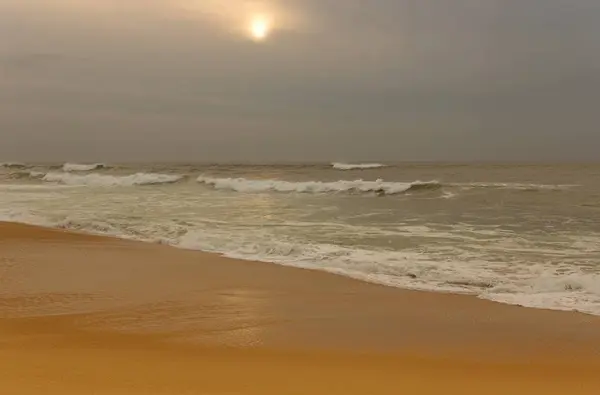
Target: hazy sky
{"points": [[115, 80]]}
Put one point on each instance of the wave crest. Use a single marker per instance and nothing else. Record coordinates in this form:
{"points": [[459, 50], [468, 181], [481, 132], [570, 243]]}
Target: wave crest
{"points": [[358, 186], [111, 181], [13, 165], [83, 167], [350, 166]]}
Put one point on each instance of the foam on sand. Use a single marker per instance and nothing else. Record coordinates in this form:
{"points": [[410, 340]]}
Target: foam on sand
{"points": [[561, 288], [547, 289], [576, 291], [104, 180], [358, 166], [357, 186], [154, 317]]}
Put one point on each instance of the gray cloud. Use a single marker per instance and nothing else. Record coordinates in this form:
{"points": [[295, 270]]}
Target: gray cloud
{"points": [[382, 80]]}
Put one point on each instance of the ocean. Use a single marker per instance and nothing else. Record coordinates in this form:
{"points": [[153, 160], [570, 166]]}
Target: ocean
{"points": [[518, 234]]}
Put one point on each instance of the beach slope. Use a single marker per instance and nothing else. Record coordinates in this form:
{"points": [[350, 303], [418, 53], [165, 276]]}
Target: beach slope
{"points": [[87, 314]]}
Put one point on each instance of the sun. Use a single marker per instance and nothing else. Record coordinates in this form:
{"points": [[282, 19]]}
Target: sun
{"points": [[260, 28]]}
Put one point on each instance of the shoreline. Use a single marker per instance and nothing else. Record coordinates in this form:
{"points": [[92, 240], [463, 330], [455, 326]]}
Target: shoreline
{"points": [[78, 309], [328, 272]]}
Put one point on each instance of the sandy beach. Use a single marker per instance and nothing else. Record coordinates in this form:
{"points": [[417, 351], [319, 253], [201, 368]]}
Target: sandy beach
{"points": [[95, 315], [299, 197]]}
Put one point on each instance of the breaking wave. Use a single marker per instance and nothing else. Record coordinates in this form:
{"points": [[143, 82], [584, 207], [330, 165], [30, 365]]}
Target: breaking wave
{"points": [[110, 180], [246, 185], [349, 166], [83, 167], [358, 186], [23, 174], [12, 165]]}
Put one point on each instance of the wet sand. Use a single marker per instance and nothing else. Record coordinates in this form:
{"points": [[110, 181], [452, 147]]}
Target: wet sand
{"points": [[95, 315]]}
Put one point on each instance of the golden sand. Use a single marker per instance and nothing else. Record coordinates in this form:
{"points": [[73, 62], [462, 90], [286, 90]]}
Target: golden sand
{"points": [[83, 314]]}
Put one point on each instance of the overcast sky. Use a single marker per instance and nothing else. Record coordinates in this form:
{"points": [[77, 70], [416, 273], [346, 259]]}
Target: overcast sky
{"points": [[352, 80]]}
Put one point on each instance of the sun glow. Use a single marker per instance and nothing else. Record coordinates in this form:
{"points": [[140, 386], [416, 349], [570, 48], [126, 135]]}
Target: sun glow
{"points": [[260, 27], [256, 21]]}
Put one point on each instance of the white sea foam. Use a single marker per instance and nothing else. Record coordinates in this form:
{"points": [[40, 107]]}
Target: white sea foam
{"points": [[357, 166], [104, 180], [36, 174], [357, 186], [25, 217], [574, 291], [495, 262], [449, 195], [404, 269], [410, 270], [82, 167], [512, 185], [527, 285]]}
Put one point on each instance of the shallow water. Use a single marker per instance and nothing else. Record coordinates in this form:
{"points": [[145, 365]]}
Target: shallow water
{"points": [[521, 234]]}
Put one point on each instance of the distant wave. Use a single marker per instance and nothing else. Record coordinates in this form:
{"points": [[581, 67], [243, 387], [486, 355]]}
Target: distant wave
{"points": [[83, 167], [512, 185], [349, 166], [13, 165], [111, 180], [357, 186]]}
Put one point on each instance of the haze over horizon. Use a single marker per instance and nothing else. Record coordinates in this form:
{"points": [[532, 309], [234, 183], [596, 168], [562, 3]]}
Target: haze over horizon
{"points": [[299, 80]]}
